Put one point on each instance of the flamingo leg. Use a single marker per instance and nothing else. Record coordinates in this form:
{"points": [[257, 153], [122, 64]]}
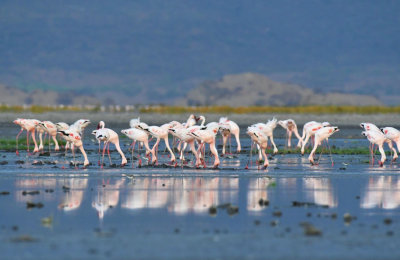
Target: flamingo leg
{"points": [[108, 152], [169, 149], [133, 148], [19, 133], [99, 155], [102, 157], [27, 141]]}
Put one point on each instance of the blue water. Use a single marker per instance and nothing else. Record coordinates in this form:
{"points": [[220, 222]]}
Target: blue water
{"points": [[164, 212]]}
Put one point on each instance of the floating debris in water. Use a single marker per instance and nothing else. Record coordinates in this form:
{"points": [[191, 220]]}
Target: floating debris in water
{"points": [[232, 210], [212, 211], [34, 192], [263, 202], [24, 238], [387, 221], [30, 205], [3, 162], [49, 190], [47, 222], [4, 193], [310, 229], [66, 189], [37, 163], [348, 218], [277, 214], [307, 204]]}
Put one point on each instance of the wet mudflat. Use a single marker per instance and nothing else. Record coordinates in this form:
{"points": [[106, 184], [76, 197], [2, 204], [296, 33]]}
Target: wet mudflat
{"points": [[348, 210]]}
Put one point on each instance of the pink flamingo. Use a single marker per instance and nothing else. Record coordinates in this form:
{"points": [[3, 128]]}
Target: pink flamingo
{"points": [[321, 135], [268, 130], [184, 135], [291, 127], [159, 133], [392, 134], [138, 135], [229, 127], [378, 138], [309, 130], [51, 129], [108, 136], [373, 127], [191, 121], [30, 126], [258, 136], [75, 139], [207, 135]]}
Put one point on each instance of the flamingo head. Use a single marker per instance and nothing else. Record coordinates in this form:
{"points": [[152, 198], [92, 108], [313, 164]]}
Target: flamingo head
{"points": [[100, 125], [364, 133], [82, 123], [18, 121]]}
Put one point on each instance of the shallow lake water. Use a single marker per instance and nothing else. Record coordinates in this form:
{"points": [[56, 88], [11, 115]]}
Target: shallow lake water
{"points": [[345, 210]]}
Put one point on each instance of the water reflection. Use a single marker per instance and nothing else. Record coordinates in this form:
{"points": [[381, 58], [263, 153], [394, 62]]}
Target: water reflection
{"points": [[107, 196], [257, 190], [195, 195], [73, 198], [180, 195], [382, 192], [320, 191]]}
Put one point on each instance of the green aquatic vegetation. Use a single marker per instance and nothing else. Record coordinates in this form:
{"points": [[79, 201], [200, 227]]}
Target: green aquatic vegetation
{"points": [[10, 144]]}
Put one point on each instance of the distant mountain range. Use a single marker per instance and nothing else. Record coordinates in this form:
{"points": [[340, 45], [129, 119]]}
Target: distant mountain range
{"points": [[158, 51], [251, 89], [247, 89]]}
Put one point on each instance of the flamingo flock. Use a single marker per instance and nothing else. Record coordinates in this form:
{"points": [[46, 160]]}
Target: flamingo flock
{"points": [[196, 136]]}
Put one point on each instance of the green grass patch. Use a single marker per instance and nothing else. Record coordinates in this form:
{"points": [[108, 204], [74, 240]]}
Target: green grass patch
{"points": [[10, 144]]}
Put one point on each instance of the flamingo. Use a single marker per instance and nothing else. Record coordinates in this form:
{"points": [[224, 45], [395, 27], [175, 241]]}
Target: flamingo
{"points": [[51, 129], [309, 130], [378, 138], [392, 134], [73, 137], [108, 136], [373, 127], [291, 127], [207, 135], [60, 127], [30, 126], [258, 136], [159, 133], [321, 135], [78, 126], [140, 136], [184, 135], [268, 130], [191, 121], [229, 127]]}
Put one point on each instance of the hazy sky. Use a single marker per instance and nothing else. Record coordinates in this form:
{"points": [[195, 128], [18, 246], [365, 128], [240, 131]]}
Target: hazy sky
{"points": [[173, 45]]}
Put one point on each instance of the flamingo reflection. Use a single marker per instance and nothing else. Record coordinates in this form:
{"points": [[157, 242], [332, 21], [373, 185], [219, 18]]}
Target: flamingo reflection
{"points": [[382, 192]]}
